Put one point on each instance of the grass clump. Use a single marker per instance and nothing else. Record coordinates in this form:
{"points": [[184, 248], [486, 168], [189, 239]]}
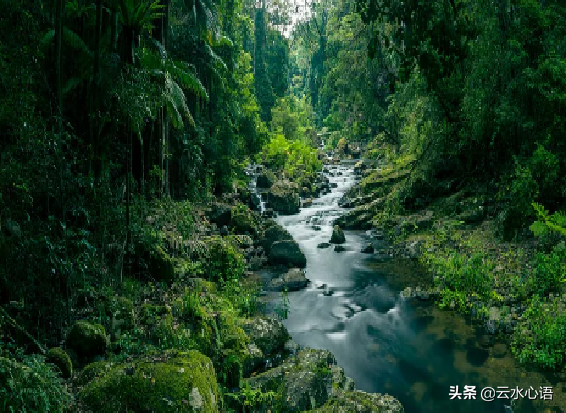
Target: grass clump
{"points": [[541, 339]]}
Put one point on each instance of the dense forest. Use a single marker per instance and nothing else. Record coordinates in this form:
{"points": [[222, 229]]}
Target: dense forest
{"points": [[129, 235]]}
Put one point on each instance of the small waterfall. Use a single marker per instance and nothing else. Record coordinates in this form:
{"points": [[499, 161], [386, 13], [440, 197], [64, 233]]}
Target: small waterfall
{"points": [[258, 201]]}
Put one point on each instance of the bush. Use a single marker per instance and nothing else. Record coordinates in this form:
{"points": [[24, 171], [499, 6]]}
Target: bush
{"points": [[549, 270], [541, 340], [462, 274], [224, 261]]}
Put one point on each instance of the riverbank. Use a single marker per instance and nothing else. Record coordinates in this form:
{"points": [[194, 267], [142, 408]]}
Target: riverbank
{"points": [[512, 291], [185, 329]]}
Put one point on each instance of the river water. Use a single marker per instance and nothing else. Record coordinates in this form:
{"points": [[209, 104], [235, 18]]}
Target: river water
{"points": [[412, 351]]}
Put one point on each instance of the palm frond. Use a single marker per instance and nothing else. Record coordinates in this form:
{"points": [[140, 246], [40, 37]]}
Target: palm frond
{"points": [[182, 72], [176, 103]]}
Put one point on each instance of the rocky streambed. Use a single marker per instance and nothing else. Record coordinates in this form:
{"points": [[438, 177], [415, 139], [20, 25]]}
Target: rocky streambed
{"points": [[370, 306]]}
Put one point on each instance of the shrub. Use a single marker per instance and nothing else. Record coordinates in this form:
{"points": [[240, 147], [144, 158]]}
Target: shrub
{"points": [[541, 340], [549, 270]]}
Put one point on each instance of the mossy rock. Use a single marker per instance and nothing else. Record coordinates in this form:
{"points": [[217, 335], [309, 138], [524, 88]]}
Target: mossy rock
{"points": [[269, 334], [87, 339], [284, 197], [161, 265], [93, 371], [337, 235], [301, 383], [184, 382], [244, 221], [359, 401], [61, 359], [274, 232]]}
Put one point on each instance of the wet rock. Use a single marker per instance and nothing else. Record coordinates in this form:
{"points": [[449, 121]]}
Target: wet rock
{"points": [[339, 248], [368, 249], [337, 235], [333, 185], [316, 227], [307, 202], [292, 280], [287, 253], [268, 334]]}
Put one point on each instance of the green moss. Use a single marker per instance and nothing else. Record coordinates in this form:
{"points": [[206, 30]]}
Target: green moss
{"points": [[93, 371], [62, 360], [87, 339], [358, 401], [149, 313], [185, 382]]}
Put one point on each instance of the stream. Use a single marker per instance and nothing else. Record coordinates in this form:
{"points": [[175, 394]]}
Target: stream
{"points": [[408, 349]]}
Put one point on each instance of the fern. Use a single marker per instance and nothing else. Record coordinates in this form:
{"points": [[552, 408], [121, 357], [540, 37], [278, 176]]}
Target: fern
{"points": [[555, 222]]}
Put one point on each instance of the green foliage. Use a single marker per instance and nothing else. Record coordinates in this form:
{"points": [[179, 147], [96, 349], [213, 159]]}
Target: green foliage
{"points": [[244, 297], [224, 261], [282, 308], [549, 271], [541, 340], [547, 222], [31, 385], [462, 275], [294, 158], [292, 117], [253, 398]]}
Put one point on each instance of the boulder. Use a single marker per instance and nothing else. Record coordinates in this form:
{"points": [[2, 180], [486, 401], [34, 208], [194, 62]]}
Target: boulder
{"points": [[273, 233], [337, 235], [292, 280], [266, 179], [287, 253], [368, 249], [304, 381], [284, 197], [339, 248], [323, 245], [161, 265], [268, 213], [87, 340], [268, 334], [179, 381], [61, 359], [244, 221], [220, 214], [361, 402]]}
